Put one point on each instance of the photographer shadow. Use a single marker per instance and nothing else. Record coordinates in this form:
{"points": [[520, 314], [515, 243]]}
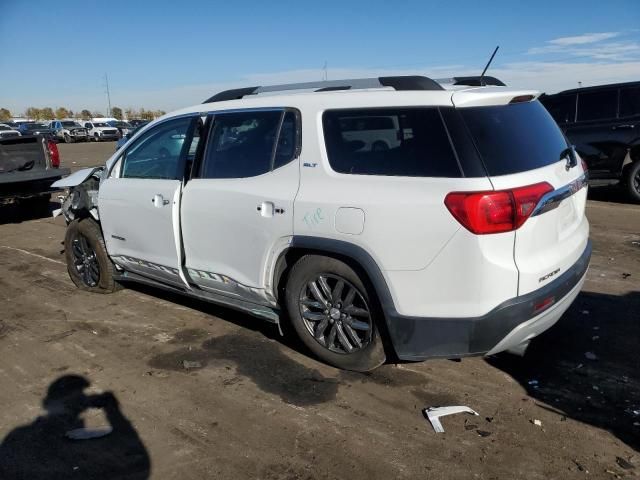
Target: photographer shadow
{"points": [[41, 450]]}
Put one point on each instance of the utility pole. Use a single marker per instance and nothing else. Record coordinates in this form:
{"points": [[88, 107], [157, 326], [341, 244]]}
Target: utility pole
{"points": [[324, 71], [106, 81]]}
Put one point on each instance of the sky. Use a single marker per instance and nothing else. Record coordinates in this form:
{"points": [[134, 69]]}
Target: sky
{"points": [[171, 54]]}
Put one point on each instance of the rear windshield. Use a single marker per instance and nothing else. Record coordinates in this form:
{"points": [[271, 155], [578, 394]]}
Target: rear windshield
{"points": [[410, 142], [515, 138]]}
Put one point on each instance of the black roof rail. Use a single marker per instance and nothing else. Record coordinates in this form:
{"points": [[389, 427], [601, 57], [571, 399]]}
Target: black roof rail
{"points": [[409, 82]]}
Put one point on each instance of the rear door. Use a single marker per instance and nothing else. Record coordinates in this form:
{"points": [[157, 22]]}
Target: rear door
{"points": [[139, 203], [596, 132], [521, 145], [239, 205]]}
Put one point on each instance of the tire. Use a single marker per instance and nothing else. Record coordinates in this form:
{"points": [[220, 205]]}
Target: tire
{"points": [[96, 272], [632, 181], [67, 138], [311, 309], [96, 138]]}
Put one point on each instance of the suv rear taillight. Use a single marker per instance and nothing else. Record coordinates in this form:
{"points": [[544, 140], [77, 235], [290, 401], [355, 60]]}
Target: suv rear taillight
{"points": [[54, 154], [495, 211]]}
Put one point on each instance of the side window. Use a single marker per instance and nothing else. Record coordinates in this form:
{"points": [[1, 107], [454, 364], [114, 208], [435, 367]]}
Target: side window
{"points": [[597, 105], [409, 142], [157, 153], [242, 144], [562, 108], [629, 101]]}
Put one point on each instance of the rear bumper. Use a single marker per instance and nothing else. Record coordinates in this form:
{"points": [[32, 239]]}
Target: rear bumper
{"points": [[507, 326]]}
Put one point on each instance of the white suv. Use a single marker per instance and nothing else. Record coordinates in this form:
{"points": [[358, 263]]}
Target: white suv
{"points": [[466, 235]]}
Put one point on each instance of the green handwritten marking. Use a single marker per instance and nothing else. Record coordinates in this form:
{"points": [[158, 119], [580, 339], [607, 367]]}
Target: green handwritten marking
{"points": [[313, 219]]}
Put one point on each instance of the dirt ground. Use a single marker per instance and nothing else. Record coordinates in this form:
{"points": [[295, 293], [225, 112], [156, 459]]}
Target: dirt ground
{"points": [[255, 405]]}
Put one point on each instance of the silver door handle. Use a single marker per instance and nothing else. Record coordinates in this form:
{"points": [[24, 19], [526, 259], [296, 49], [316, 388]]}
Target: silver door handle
{"points": [[159, 201]]}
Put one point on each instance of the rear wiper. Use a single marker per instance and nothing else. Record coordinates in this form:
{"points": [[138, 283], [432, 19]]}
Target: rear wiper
{"points": [[570, 154]]}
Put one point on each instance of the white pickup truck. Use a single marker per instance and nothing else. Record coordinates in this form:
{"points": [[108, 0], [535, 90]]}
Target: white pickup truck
{"points": [[99, 131]]}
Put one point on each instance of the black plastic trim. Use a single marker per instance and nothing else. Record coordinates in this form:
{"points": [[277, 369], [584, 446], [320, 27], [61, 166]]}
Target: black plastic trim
{"points": [[234, 94], [478, 81], [410, 82], [333, 89]]}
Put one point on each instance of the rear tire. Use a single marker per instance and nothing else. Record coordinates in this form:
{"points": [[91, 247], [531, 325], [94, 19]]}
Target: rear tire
{"points": [[67, 138], [334, 314], [632, 181], [88, 263]]}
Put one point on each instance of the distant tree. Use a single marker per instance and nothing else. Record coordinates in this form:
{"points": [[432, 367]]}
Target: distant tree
{"points": [[97, 115], [146, 114], [61, 113], [4, 115], [33, 113], [47, 113], [85, 114], [159, 113], [116, 112], [71, 114], [130, 113]]}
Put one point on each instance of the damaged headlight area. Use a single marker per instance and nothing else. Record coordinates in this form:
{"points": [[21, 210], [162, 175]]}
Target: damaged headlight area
{"points": [[80, 199]]}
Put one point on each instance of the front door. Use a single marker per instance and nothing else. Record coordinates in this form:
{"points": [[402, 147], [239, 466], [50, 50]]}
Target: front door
{"points": [[139, 203], [239, 205]]}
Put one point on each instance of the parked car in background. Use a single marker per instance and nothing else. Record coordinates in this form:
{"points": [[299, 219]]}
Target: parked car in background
{"points": [[137, 122], [69, 131], [125, 138], [603, 123], [475, 239], [35, 128], [123, 127], [99, 131], [7, 132], [28, 166]]}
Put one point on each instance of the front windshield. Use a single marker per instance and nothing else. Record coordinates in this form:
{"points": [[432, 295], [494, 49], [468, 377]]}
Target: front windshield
{"points": [[100, 125], [33, 126], [121, 124], [70, 124]]}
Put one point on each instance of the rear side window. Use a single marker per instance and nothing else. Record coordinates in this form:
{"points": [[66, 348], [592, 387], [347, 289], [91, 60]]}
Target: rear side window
{"points": [[629, 101], [411, 142], [561, 107], [515, 138], [251, 143], [597, 105]]}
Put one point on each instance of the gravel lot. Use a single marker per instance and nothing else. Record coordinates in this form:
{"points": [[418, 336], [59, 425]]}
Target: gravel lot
{"points": [[255, 405]]}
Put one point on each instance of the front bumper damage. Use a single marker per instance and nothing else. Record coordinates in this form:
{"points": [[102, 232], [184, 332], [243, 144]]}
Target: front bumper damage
{"points": [[81, 194]]}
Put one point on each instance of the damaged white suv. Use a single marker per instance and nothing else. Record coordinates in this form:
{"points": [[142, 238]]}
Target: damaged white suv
{"points": [[464, 235]]}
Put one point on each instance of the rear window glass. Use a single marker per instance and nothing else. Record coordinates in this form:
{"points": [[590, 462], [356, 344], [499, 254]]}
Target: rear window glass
{"points": [[629, 101], [597, 105], [409, 142], [515, 138]]}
